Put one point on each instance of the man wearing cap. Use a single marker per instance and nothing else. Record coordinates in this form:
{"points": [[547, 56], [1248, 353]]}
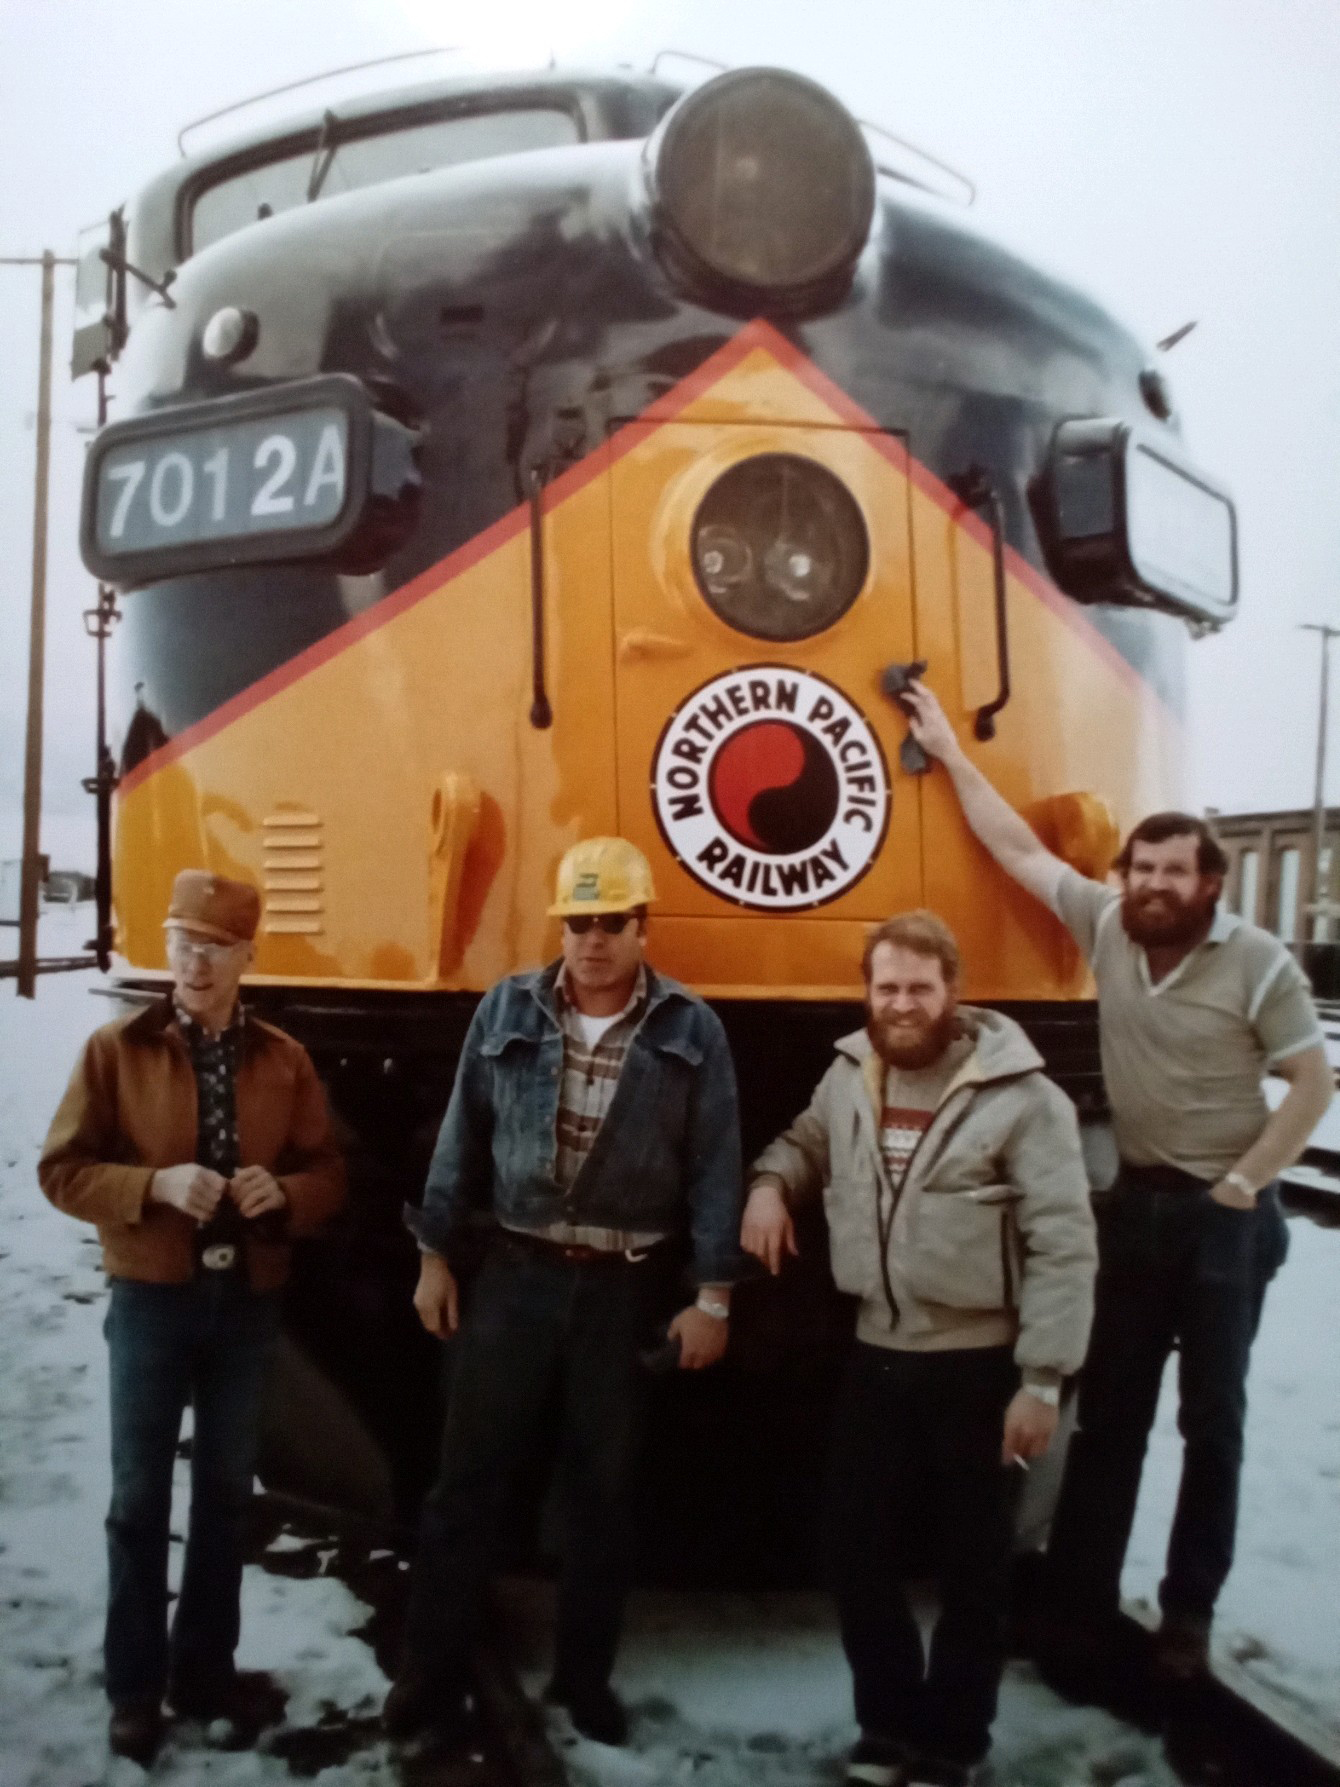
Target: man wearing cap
{"points": [[594, 1117], [198, 1140]]}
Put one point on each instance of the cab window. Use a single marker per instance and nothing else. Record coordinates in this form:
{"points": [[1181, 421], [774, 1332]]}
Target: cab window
{"points": [[367, 159]]}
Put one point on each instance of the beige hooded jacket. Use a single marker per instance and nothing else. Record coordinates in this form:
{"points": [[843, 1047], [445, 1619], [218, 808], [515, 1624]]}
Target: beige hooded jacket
{"points": [[989, 1240]]}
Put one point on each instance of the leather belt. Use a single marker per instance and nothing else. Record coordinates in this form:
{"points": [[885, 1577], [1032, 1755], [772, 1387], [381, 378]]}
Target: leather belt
{"points": [[1161, 1178], [577, 1253]]}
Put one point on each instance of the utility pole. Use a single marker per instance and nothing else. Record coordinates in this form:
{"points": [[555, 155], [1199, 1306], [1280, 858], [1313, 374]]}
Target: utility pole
{"points": [[1320, 894], [30, 883]]}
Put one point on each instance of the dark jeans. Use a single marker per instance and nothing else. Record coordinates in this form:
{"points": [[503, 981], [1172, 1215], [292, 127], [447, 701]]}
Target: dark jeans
{"points": [[1175, 1269], [916, 1466], [540, 1333], [207, 1343]]}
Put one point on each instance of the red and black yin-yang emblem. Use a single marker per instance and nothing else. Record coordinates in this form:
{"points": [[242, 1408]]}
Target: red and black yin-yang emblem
{"points": [[770, 787]]}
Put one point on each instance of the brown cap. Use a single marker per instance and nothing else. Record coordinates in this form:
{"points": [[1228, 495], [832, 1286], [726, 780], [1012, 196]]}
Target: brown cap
{"points": [[210, 906]]}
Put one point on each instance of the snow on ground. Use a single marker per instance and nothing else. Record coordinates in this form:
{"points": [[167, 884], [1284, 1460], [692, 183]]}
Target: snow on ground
{"points": [[727, 1692], [752, 1691]]}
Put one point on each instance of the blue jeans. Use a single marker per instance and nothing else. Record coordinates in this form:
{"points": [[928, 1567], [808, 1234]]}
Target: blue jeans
{"points": [[1175, 1269], [540, 1334], [916, 1479], [208, 1343]]}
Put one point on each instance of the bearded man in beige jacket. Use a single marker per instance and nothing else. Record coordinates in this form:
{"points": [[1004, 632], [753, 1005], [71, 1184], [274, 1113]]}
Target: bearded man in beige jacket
{"points": [[958, 1213]]}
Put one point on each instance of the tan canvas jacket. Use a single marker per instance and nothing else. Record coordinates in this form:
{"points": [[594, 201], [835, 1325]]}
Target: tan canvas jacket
{"points": [[130, 1108], [991, 1234]]}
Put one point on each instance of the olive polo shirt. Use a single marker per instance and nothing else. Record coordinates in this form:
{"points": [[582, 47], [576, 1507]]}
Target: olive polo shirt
{"points": [[1183, 1058]]}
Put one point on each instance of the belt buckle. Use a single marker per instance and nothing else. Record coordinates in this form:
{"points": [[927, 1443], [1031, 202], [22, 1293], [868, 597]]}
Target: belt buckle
{"points": [[221, 1257]]}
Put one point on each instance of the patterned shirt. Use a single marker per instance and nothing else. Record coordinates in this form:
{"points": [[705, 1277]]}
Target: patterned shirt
{"points": [[215, 1059], [911, 1098], [901, 1127], [590, 1075]]}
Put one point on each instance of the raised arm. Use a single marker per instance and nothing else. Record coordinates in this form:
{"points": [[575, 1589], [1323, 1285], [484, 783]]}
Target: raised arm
{"points": [[1010, 839]]}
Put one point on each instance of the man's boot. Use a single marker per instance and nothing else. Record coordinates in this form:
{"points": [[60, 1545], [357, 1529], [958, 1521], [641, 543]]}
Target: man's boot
{"points": [[420, 1701], [594, 1708], [135, 1729], [1181, 1650]]}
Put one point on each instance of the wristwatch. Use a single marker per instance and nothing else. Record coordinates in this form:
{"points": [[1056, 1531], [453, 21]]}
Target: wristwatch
{"points": [[713, 1306], [1048, 1393], [1241, 1183]]}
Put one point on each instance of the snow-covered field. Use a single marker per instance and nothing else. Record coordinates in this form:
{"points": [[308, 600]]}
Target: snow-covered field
{"points": [[725, 1692]]}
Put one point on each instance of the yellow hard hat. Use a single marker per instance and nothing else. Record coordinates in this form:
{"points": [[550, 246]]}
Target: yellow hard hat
{"points": [[602, 875]]}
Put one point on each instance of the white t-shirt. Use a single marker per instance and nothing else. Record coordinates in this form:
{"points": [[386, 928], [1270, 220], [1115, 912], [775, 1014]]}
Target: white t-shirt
{"points": [[592, 1029]]}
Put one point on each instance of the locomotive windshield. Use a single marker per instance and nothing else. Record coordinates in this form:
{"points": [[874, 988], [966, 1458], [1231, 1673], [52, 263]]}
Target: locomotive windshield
{"points": [[373, 155]]}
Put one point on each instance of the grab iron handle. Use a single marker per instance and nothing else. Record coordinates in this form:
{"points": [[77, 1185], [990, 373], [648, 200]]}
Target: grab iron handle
{"points": [[541, 713], [975, 490]]}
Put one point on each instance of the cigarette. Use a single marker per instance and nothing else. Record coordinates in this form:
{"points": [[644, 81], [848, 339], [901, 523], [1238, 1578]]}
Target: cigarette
{"points": [[1021, 1462]]}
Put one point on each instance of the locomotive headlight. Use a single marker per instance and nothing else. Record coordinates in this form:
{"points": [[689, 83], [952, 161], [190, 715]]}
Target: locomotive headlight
{"points": [[762, 188], [230, 335], [779, 547]]}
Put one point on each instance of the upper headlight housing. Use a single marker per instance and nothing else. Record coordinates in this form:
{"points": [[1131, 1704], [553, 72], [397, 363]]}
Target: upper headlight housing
{"points": [[762, 189]]}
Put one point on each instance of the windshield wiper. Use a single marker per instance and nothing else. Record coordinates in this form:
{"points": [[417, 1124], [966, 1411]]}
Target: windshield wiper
{"points": [[325, 155]]}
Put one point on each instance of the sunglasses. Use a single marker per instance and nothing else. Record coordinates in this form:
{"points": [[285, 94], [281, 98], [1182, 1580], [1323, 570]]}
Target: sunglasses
{"points": [[611, 923]]}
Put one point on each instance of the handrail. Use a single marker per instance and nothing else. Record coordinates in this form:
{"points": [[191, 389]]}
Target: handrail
{"points": [[975, 490], [311, 80], [969, 187], [541, 713]]}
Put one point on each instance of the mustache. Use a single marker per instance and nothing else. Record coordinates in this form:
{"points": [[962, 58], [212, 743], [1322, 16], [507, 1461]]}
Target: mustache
{"points": [[913, 1040]]}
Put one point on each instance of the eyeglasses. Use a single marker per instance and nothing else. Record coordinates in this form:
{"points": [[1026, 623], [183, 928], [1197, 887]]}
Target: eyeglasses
{"points": [[611, 923], [185, 947]]}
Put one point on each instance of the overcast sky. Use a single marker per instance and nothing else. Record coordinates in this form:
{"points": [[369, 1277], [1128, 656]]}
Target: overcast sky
{"points": [[1178, 159]]}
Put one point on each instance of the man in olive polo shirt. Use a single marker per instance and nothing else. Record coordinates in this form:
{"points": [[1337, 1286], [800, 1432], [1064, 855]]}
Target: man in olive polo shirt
{"points": [[1195, 1006]]}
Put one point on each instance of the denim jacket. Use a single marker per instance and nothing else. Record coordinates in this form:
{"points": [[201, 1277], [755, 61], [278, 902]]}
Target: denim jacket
{"points": [[669, 1145]]}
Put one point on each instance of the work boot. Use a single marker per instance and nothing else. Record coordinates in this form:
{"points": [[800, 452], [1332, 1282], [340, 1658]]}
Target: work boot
{"points": [[247, 1698], [593, 1707], [420, 1701], [135, 1729], [1181, 1650], [877, 1762], [1080, 1658]]}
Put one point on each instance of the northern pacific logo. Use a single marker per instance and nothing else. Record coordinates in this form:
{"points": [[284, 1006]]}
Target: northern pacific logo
{"points": [[770, 788]]}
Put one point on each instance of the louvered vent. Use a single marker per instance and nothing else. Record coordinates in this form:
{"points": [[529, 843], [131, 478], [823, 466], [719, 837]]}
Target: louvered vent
{"points": [[294, 875]]}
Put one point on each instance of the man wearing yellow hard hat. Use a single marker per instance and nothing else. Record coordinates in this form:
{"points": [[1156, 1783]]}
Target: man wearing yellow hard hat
{"points": [[594, 1115]]}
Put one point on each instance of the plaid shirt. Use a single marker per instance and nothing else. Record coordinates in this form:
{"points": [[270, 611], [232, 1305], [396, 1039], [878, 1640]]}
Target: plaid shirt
{"points": [[586, 1091]]}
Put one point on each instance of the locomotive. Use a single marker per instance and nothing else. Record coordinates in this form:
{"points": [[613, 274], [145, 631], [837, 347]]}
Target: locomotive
{"points": [[502, 461]]}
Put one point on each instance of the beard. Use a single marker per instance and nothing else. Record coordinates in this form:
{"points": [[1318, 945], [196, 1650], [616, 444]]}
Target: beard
{"points": [[915, 1044], [1161, 920]]}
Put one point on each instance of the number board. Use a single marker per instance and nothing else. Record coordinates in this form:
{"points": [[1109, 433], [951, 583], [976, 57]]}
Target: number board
{"points": [[218, 483], [276, 474]]}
